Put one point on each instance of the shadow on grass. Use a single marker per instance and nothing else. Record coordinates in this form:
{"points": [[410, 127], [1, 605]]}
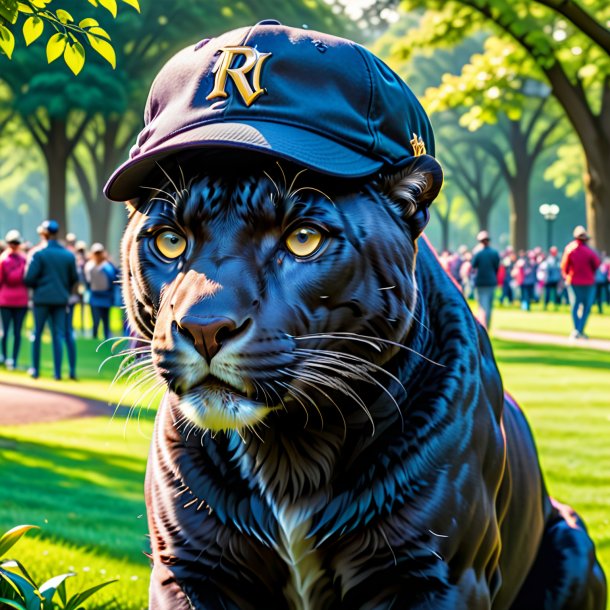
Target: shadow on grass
{"points": [[70, 493], [552, 355]]}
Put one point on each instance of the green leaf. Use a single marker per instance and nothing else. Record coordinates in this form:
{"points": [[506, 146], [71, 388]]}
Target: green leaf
{"points": [[25, 8], [75, 602], [104, 48], [29, 592], [12, 604], [109, 5], [32, 29], [7, 43], [64, 16], [56, 46], [133, 3], [8, 10], [88, 23], [94, 2], [14, 563], [99, 32], [10, 538], [49, 588], [74, 56]]}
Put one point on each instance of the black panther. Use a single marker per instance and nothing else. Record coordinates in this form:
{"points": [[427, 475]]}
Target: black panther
{"points": [[335, 432]]}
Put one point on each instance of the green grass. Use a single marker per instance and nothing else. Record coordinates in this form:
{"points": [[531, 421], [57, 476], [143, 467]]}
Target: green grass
{"points": [[551, 322], [81, 481]]}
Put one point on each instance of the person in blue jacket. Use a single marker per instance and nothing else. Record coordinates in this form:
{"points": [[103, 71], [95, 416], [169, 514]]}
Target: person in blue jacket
{"points": [[51, 273], [101, 276]]}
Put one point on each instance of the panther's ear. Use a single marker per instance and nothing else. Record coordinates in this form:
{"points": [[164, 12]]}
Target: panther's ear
{"points": [[414, 188]]}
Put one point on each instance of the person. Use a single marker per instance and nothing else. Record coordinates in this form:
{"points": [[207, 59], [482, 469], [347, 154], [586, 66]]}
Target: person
{"points": [[602, 284], [51, 272], [549, 273], [578, 266], [13, 296], [524, 273], [101, 275], [485, 262], [507, 263]]}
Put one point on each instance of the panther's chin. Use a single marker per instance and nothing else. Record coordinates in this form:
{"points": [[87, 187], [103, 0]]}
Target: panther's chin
{"points": [[216, 406]]}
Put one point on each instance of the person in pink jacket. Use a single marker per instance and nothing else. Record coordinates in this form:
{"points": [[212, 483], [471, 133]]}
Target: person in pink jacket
{"points": [[13, 296], [578, 266]]}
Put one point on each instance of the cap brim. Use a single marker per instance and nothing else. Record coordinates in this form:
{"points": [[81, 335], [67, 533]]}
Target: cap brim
{"points": [[285, 141]]}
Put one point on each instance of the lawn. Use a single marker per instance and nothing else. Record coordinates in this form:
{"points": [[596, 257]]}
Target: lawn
{"points": [[81, 481]]}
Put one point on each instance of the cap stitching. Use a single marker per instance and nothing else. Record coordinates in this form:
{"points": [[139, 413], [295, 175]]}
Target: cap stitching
{"points": [[362, 53]]}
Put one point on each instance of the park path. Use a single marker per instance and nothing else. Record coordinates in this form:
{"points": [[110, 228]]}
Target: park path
{"points": [[547, 339], [25, 405]]}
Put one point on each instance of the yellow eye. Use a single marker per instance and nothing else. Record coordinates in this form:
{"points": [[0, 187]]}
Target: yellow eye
{"points": [[304, 241], [170, 244]]}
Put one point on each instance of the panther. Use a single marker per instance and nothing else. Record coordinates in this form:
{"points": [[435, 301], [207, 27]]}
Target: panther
{"points": [[335, 433]]}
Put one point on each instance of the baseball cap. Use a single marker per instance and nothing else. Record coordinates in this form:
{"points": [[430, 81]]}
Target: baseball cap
{"points": [[49, 226], [13, 237], [580, 233], [322, 101], [97, 247], [483, 236]]}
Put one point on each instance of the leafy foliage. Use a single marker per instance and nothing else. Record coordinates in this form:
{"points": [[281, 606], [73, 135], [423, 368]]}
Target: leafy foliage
{"points": [[69, 37], [19, 590]]}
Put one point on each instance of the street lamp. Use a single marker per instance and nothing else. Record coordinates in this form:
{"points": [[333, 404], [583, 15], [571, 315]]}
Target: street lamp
{"points": [[549, 213]]}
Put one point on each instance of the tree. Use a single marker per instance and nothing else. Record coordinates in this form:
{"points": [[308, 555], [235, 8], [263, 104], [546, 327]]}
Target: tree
{"points": [[568, 45], [528, 121]]}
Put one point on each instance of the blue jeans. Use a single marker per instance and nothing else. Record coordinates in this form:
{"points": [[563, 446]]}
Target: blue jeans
{"points": [[100, 314], [70, 340], [14, 316], [581, 300], [485, 299], [527, 294], [56, 314]]}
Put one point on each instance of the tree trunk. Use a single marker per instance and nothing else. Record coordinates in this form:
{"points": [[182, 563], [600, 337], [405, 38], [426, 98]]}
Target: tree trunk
{"points": [[598, 201], [56, 157], [99, 218], [519, 212], [482, 211], [445, 232]]}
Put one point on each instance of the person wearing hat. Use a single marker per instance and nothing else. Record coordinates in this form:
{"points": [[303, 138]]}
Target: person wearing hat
{"points": [[13, 296], [578, 266], [101, 276], [486, 263], [51, 272]]}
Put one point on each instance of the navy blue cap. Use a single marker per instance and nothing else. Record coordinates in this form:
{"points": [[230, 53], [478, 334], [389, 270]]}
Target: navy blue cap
{"points": [[324, 102], [50, 226]]}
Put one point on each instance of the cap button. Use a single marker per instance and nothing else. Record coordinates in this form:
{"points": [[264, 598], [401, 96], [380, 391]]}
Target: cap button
{"points": [[269, 22]]}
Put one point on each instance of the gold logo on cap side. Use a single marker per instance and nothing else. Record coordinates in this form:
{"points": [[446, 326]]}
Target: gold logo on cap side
{"points": [[253, 62], [419, 148]]}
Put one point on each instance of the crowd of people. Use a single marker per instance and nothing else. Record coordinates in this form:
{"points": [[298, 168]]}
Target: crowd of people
{"points": [[578, 276], [50, 278]]}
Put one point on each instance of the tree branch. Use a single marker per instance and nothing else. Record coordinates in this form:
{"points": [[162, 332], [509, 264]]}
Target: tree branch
{"points": [[577, 15]]}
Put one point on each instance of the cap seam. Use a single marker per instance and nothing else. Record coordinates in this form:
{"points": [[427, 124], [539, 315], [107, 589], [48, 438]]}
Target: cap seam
{"points": [[372, 93]]}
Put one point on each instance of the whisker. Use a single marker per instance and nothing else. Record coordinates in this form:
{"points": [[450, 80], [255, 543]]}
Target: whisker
{"points": [[170, 180], [296, 177]]}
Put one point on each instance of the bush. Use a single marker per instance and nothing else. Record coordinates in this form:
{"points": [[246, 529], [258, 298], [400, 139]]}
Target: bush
{"points": [[19, 590]]}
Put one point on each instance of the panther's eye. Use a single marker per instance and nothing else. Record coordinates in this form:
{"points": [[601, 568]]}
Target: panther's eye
{"points": [[170, 244], [304, 241]]}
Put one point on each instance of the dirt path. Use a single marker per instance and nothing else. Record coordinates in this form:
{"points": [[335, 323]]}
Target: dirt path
{"points": [[543, 338], [21, 405], [24, 405]]}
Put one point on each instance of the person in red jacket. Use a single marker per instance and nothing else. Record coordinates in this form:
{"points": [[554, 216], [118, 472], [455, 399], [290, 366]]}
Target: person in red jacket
{"points": [[578, 266], [13, 296]]}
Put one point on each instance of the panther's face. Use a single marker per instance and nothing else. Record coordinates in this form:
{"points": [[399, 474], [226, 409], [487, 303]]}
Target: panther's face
{"points": [[272, 290]]}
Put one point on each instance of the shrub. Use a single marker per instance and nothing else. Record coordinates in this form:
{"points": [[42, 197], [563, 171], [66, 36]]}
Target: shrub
{"points": [[19, 590]]}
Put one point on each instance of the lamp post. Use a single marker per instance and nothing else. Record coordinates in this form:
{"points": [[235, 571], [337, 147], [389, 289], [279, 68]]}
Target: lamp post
{"points": [[549, 213]]}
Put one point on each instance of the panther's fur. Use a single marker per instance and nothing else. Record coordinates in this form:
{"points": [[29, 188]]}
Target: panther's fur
{"points": [[361, 453]]}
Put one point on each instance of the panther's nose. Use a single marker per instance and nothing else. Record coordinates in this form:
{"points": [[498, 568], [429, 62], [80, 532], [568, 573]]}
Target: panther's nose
{"points": [[207, 333]]}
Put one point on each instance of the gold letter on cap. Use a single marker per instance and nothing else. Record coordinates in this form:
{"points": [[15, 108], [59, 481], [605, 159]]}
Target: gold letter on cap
{"points": [[253, 60]]}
